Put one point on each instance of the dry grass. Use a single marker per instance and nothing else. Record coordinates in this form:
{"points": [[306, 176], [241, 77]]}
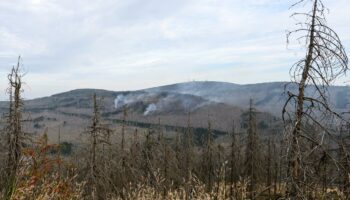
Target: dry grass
{"points": [[39, 179]]}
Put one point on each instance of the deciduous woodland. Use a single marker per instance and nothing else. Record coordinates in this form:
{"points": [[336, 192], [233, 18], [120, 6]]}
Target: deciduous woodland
{"points": [[302, 154]]}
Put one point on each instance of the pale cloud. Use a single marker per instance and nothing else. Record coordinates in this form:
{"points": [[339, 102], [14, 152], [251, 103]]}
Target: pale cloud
{"points": [[122, 45]]}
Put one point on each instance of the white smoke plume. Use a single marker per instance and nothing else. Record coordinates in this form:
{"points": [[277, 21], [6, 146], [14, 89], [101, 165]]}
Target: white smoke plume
{"points": [[122, 100], [119, 101], [151, 108]]}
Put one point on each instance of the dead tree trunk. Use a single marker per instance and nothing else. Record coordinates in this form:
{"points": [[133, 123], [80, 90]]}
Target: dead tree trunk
{"points": [[188, 157], [94, 129], [325, 60], [269, 166], [123, 138], [233, 163], [97, 182], [252, 153], [295, 154], [14, 128], [208, 159]]}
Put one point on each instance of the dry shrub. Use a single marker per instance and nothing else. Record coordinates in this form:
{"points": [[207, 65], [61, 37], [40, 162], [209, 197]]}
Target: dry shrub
{"points": [[199, 191], [39, 179]]}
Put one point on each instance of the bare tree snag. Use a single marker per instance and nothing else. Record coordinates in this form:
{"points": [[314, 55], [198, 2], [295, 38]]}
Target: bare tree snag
{"points": [[14, 131], [325, 61]]}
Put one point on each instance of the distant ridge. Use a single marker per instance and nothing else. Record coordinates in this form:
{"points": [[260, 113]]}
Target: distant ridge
{"points": [[268, 97]]}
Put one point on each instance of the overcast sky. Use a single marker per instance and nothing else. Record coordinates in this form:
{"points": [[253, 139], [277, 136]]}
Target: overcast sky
{"points": [[135, 44]]}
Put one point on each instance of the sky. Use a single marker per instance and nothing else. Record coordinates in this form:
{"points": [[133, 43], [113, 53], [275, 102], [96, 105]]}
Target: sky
{"points": [[135, 44]]}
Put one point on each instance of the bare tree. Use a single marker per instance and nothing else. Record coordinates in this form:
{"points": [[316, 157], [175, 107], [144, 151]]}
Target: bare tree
{"points": [[253, 158], [208, 157], [234, 162], [269, 165], [343, 154], [15, 135], [188, 148], [122, 145], [325, 61], [98, 134]]}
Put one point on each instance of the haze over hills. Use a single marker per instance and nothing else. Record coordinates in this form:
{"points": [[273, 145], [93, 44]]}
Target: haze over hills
{"points": [[220, 102], [268, 97]]}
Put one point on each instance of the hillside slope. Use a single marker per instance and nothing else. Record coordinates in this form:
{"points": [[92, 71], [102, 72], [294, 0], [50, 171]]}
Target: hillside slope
{"points": [[217, 102]]}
